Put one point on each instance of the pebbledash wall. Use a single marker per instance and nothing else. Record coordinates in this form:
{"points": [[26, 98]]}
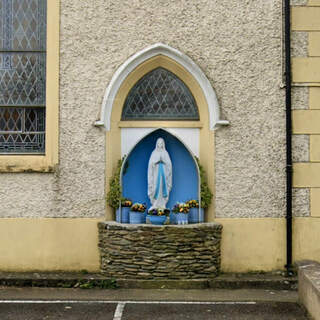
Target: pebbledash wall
{"points": [[49, 216]]}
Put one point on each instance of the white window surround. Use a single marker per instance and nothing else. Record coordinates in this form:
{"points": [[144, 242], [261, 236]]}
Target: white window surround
{"points": [[155, 50]]}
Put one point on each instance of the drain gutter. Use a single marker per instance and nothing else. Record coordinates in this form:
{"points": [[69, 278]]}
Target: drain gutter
{"points": [[287, 17]]}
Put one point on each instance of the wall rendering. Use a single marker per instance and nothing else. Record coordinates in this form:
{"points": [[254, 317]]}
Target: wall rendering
{"points": [[242, 58]]}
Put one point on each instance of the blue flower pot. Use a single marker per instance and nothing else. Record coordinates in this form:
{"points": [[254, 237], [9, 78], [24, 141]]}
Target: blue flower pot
{"points": [[124, 215], [136, 217], [172, 217], [181, 218], [157, 220], [194, 215]]}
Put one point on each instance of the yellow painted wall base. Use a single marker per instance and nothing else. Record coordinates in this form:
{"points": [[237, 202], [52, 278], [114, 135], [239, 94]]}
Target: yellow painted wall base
{"points": [[253, 244], [306, 239], [49, 244], [72, 244], [260, 244]]}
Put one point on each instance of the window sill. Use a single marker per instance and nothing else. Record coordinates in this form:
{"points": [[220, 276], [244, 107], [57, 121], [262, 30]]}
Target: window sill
{"points": [[26, 163]]}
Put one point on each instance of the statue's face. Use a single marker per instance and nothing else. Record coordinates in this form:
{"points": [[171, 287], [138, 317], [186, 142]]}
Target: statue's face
{"points": [[160, 144]]}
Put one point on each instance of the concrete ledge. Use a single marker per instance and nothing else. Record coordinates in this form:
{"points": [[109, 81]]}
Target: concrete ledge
{"points": [[309, 287], [266, 281]]}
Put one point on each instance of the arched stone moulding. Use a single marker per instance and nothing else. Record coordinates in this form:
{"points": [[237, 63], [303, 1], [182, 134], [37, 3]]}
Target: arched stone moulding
{"points": [[146, 54]]}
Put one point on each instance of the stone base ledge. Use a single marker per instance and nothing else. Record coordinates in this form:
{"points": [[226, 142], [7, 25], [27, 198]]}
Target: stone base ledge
{"points": [[266, 281], [112, 225], [153, 252], [309, 287]]}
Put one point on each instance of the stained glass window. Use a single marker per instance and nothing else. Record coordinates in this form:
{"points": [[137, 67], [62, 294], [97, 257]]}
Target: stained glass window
{"points": [[22, 75], [160, 95]]}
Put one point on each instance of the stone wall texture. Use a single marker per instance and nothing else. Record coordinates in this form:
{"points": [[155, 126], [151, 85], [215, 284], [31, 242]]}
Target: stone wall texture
{"points": [[241, 56], [160, 252]]}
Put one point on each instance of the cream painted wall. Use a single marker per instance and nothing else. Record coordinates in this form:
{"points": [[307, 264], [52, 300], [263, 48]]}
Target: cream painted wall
{"points": [[49, 244], [72, 244], [97, 37], [243, 63], [306, 173], [252, 244]]}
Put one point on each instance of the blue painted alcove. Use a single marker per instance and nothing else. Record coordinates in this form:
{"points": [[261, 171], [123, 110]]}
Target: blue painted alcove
{"points": [[184, 170]]}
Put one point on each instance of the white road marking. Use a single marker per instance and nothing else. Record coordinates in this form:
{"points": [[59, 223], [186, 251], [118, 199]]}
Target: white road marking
{"points": [[119, 311], [129, 301]]}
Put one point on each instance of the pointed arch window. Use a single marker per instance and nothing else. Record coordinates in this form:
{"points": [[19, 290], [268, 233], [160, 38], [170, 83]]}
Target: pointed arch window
{"points": [[160, 95]]}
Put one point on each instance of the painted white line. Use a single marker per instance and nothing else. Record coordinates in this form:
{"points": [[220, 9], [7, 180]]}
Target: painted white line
{"points": [[126, 302], [119, 311]]}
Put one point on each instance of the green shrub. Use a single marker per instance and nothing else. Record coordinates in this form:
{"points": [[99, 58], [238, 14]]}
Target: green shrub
{"points": [[205, 192], [115, 191]]}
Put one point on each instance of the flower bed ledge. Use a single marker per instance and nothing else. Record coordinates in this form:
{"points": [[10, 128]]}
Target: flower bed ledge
{"points": [[144, 251]]}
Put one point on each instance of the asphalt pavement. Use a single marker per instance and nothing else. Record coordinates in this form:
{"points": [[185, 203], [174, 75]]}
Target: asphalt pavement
{"points": [[122, 304]]}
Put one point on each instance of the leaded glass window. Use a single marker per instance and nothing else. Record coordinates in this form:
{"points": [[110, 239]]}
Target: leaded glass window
{"points": [[22, 76], [160, 95]]}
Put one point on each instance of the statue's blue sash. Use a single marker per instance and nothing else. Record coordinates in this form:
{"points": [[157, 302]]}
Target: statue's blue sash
{"points": [[162, 176]]}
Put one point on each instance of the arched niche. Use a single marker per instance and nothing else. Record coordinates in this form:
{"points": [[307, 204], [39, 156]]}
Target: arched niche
{"points": [[196, 133], [185, 173]]}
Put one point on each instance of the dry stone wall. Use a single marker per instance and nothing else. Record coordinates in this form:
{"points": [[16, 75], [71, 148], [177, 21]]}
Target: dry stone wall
{"points": [[160, 252]]}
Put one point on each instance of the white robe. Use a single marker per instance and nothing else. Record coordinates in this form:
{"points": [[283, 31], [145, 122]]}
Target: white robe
{"points": [[159, 154]]}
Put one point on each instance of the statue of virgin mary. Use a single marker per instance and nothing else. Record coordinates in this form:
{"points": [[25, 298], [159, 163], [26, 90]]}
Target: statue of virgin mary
{"points": [[159, 176]]}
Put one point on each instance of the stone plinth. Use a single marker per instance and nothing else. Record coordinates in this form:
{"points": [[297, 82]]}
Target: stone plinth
{"points": [[160, 252], [309, 286]]}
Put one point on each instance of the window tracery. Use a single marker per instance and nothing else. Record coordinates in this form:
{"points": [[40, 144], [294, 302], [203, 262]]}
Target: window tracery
{"points": [[22, 76], [160, 95]]}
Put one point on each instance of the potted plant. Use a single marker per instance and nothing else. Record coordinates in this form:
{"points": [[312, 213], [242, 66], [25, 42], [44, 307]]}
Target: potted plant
{"points": [[115, 192], [195, 216], [157, 216], [136, 214], [205, 192], [122, 214], [181, 211], [114, 195], [206, 198]]}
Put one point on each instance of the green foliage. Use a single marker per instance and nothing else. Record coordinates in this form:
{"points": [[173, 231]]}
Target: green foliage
{"points": [[84, 271], [86, 285], [205, 192], [115, 192], [101, 284], [108, 284]]}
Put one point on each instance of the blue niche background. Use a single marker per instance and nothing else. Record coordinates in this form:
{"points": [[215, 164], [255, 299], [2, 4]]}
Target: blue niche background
{"points": [[184, 171]]}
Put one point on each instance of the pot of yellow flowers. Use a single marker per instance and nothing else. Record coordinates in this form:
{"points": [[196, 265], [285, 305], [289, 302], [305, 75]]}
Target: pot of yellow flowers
{"points": [[122, 213], [157, 216], [196, 214], [136, 214], [180, 211]]}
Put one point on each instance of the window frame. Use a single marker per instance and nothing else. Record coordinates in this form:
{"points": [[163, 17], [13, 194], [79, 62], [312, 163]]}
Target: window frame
{"points": [[156, 116], [44, 162]]}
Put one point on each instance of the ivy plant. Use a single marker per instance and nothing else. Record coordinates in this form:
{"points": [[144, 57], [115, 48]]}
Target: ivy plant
{"points": [[115, 192], [205, 192]]}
